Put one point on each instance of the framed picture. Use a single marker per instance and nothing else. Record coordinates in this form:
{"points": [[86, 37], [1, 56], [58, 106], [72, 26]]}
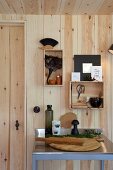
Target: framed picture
{"points": [[83, 64], [86, 67], [96, 73], [75, 76]]}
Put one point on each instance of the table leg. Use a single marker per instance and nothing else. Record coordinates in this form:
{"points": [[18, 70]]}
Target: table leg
{"points": [[102, 164], [34, 164], [69, 165]]}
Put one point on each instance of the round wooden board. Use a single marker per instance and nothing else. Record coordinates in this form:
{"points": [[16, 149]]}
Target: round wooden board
{"points": [[67, 118], [89, 145]]}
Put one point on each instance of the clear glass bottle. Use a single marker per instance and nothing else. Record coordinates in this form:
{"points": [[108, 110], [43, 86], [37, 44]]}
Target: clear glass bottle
{"points": [[48, 120]]}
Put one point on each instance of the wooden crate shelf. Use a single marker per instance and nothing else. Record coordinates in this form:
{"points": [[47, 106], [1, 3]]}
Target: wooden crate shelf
{"points": [[53, 57], [92, 89]]}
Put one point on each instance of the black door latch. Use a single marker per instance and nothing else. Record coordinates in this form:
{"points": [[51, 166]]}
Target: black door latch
{"points": [[17, 124]]}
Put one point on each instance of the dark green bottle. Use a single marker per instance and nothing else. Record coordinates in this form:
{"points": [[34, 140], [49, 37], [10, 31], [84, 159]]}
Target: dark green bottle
{"points": [[48, 120]]}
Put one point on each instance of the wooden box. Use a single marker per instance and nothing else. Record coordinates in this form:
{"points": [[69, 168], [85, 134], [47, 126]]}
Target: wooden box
{"points": [[53, 67], [92, 89]]}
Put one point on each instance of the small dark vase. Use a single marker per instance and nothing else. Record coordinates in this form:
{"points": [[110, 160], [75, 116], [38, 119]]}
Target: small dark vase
{"points": [[95, 102]]}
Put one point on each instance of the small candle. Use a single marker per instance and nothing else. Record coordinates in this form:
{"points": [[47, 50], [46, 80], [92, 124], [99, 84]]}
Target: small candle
{"points": [[58, 79]]}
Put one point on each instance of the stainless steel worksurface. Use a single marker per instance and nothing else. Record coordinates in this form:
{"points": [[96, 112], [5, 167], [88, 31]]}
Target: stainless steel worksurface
{"points": [[45, 152]]}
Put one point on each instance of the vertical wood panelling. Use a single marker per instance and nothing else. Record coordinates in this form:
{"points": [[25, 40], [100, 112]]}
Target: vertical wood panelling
{"points": [[4, 97], [111, 86], [34, 71], [52, 30], [51, 94], [68, 58], [77, 32], [104, 38], [87, 34], [63, 109], [17, 111], [79, 36], [76, 35], [112, 79], [84, 43], [12, 90], [96, 42], [62, 46], [68, 46]]}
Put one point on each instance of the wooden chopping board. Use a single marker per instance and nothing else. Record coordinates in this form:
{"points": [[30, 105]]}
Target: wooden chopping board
{"points": [[88, 145], [66, 119]]}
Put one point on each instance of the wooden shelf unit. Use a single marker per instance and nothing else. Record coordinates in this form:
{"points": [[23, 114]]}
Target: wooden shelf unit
{"points": [[92, 89], [56, 78]]}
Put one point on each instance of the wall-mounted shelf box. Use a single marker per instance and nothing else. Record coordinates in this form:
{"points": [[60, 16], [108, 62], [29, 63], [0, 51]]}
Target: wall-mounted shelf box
{"points": [[53, 60], [92, 89]]}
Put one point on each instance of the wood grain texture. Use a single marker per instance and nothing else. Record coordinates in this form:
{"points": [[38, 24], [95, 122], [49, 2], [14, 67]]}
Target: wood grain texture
{"points": [[52, 30], [104, 43], [88, 145], [51, 94], [112, 93], [4, 97], [56, 7], [12, 97], [67, 118], [17, 94], [63, 110], [69, 165], [68, 46], [34, 74], [68, 58], [70, 31]]}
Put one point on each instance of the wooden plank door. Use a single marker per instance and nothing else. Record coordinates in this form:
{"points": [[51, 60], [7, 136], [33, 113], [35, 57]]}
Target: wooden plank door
{"points": [[12, 98], [17, 98], [4, 98]]}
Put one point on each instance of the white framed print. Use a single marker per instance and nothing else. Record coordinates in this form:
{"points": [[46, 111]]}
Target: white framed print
{"points": [[96, 73], [86, 67], [75, 76]]}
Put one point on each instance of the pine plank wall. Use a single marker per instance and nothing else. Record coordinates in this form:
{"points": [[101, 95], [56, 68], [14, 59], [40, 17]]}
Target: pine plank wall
{"points": [[80, 34]]}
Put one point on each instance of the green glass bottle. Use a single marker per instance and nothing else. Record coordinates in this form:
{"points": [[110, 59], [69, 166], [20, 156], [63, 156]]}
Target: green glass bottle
{"points": [[48, 120]]}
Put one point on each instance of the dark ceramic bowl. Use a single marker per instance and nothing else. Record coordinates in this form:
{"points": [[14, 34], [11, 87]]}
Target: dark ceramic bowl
{"points": [[95, 101], [49, 41]]}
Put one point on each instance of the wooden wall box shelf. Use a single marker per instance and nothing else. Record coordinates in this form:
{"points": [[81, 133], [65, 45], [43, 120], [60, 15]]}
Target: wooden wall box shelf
{"points": [[56, 78], [92, 89]]}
